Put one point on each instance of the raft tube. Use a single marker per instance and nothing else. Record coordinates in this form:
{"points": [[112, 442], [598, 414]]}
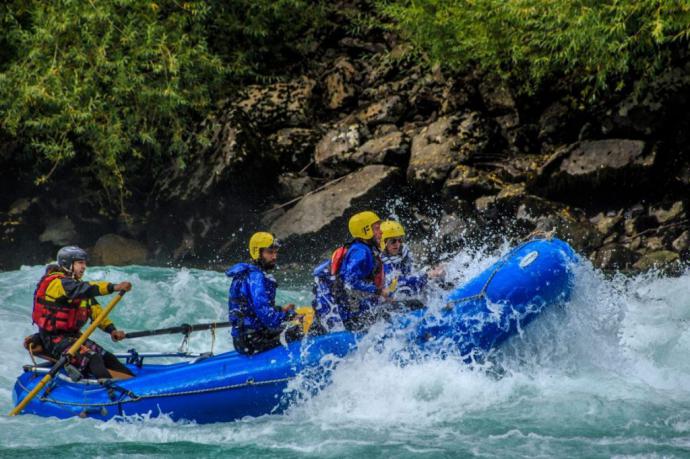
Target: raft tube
{"points": [[480, 315]]}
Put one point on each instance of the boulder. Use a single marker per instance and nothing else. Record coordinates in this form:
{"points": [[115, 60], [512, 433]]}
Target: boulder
{"points": [[606, 223], [661, 259], [292, 185], [614, 257], [233, 152], [388, 110], [280, 105], [59, 232], [392, 149], [443, 144], [333, 204], [652, 105], [591, 169], [339, 84], [294, 147], [497, 96], [467, 182], [662, 215], [682, 242], [333, 153], [115, 250]]}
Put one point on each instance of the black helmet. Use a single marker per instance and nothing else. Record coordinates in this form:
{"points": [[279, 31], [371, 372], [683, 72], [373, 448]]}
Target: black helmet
{"points": [[68, 255]]}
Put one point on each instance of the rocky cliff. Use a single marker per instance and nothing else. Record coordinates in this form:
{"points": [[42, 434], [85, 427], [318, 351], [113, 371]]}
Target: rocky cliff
{"points": [[458, 158]]}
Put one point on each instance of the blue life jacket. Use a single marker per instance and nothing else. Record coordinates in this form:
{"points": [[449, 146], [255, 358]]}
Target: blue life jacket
{"points": [[251, 301], [401, 266], [353, 289]]}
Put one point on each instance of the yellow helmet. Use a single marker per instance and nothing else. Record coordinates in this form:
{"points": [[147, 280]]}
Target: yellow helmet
{"points": [[360, 225], [390, 229], [261, 240]]}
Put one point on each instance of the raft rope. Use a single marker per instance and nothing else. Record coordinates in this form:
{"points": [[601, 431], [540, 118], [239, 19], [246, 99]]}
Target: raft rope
{"points": [[135, 398]]}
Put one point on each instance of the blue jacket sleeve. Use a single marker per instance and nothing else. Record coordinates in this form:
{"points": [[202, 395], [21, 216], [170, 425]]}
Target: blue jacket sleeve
{"points": [[357, 269], [263, 301]]}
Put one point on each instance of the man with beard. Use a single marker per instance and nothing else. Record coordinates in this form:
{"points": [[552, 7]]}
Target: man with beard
{"points": [[257, 323]]}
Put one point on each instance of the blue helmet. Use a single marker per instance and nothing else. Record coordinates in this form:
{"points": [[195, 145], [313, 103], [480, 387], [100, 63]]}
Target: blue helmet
{"points": [[68, 255]]}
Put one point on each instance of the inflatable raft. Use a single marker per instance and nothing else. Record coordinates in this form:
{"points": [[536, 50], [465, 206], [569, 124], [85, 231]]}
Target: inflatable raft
{"points": [[478, 316]]}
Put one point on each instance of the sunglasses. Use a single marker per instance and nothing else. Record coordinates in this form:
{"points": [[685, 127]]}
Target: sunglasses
{"points": [[395, 240]]}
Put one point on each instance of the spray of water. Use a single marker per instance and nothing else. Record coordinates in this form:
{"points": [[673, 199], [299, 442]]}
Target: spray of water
{"points": [[606, 374]]}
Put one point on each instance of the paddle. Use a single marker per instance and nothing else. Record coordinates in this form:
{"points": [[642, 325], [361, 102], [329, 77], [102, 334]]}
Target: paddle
{"points": [[184, 328], [66, 357]]}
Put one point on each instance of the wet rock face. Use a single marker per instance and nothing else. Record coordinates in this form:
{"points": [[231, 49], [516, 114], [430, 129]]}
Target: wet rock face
{"points": [[333, 155], [293, 147], [591, 169], [235, 149], [339, 85], [59, 232], [115, 250], [280, 105], [293, 185], [614, 257], [336, 202], [448, 141]]}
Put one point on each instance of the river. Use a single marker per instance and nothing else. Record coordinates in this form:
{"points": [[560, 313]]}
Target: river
{"points": [[607, 375]]}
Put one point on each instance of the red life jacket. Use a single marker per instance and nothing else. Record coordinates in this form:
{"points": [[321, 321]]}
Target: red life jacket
{"points": [[61, 315], [339, 255]]}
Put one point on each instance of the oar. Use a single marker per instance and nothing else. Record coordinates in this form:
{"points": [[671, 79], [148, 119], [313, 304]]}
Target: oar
{"points": [[184, 328], [66, 357]]}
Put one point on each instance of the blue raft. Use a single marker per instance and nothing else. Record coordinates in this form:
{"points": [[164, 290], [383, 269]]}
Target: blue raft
{"points": [[479, 316]]}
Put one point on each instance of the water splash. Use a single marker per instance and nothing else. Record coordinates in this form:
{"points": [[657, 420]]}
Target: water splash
{"points": [[605, 375]]}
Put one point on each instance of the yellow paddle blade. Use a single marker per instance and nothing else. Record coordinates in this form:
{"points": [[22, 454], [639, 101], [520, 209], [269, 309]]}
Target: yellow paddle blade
{"points": [[307, 313], [394, 285]]}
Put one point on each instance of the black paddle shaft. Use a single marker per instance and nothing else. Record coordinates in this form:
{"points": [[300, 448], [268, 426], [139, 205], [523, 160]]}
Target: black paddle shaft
{"points": [[184, 328]]}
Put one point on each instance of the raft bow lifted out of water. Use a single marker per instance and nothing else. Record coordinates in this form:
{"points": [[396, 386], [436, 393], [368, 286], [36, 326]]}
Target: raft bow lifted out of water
{"points": [[480, 315]]}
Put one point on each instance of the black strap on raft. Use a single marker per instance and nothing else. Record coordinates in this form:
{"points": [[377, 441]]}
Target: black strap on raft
{"points": [[134, 358]]}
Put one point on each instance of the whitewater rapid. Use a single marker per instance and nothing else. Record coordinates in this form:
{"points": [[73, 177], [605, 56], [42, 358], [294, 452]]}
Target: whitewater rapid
{"points": [[606, 375]]}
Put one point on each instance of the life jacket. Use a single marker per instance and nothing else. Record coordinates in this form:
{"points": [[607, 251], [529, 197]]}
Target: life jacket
{"points": [[339, 255], [61, 315]]}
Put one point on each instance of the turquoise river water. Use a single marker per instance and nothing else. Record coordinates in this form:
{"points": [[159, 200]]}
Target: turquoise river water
{"points": [[607, 375]]}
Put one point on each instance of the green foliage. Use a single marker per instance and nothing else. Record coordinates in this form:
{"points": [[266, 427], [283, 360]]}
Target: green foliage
{"points": [[107, 88], [593, 44]]}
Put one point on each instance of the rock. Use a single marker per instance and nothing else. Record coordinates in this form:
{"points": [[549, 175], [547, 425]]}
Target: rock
{"points": [[280, 105], [660, 259], [339, 87], [439, 147], [115, 250], [652, 104], [392, 149], [664, 216], [292, 185], [388, 110], [614, 257], [59, 232], [330, 206], [294, 147], [578, 232], [557, 124], [654, 243], [467, 182], [590, 169], [497, 96], [333, 153], [605, 224], [682, 242], [20, 206], [638, 224], [235, 151], [271, 215]]}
